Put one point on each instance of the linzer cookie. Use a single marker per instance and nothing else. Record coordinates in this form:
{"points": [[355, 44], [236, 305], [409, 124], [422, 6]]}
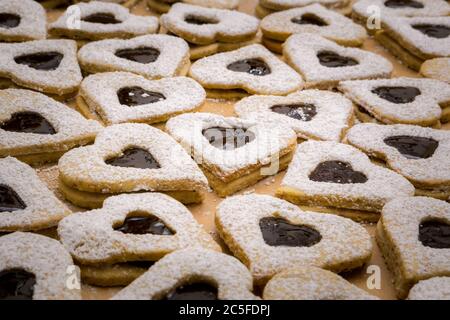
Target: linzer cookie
{"points": [[437, 288], [270, 235], [22, 21], [129, 158], [312, 114], [117, 97], [130, 231], [399, 100], [208, 30], [249, 70], [266, 7], [437, 68], [25, 202], [101, 20], [48, 66], [37, 129], [192, 274], [413, 236], [329, 174], [414, 40], [422, 155], [316, 19], [152, 56], [311, 283], [233, 153], [323, 63], [163, 6], [34, 267]]}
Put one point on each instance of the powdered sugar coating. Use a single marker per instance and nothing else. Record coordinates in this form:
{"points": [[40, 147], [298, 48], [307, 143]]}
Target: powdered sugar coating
{"points": [[130, 25], [431, 172], [312, 283], [45, 258], [99, 56], [437, 288], [424, 110], [91, 239], [269, 140], [212, 72], [220, 4], [301, 52], [71, 128], [431, 8], [64, 79], [100, 93], [334, 113], [43, 210], [289, 4], [344, 244], [85, 168]]}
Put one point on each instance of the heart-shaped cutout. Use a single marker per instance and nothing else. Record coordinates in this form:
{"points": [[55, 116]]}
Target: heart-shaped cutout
{"points": [[337, 172], [256, 67], [28, 122], [413, 147], [102, 18], [8, 20], [435, 234], [299, 111], [403, 4], [142, 55], [136, 96], [194, 291], [228, 138], [16, 284], [433, 30], [398, 95], [309, 18], [135, 158], [148, 224], [331, 59], [46, 61], [10, 200]]}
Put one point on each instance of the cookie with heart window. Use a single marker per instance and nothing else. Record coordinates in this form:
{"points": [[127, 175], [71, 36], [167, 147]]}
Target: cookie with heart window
{"points": [[22, 21], [37, 129], [34, 267], [26, 204], [101, 20], [163, 6], [48, 66], [314, 18], [117, 97], [249, 70], [312, 283], [437, 288], [323, 63], [130, 233], [278, 235], [422, 155], [192, 274], [152, 56], [129, 158], [312, 114], [414, 237], [399, 100], [233, 153], [329, 174], [414, 40]]}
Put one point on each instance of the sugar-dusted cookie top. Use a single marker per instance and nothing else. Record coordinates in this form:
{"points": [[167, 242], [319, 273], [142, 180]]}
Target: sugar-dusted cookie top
{"points": [[49, 66], [313, 19], [126, 97], [312, 114], [289, 4], [36, 267], [323, 63], [152, 56], [97, 20], [22, 20], [437, 288], [192, 274], [220, 4], [253, 69]]}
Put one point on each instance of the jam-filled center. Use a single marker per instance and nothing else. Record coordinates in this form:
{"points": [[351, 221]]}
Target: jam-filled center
{"points": [[193, 291], [136, 96], [141, 264], [199, 20], [309, 18], [16, 284], [435, 234], [433, 30], [141, 55], [280, 232], [28, 122], [228, 138], [256, 67], [10, 200], [398, 95], [147, 224], [134, 158], [331, 59], [403, 4], [102, 18], [9, 20], [299, 111], [337, 172], [413, 147], [45, 61]]}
